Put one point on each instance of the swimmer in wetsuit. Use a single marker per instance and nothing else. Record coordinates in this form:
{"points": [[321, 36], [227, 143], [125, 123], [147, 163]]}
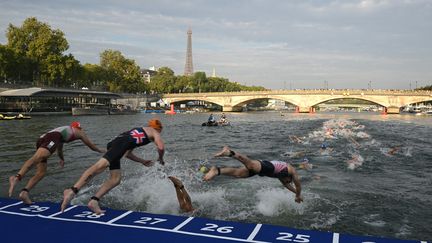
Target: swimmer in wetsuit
{"points": [[283, 171], [123, 144], [46, 145]]}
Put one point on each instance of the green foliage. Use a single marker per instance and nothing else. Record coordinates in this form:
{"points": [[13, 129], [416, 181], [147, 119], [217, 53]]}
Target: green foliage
{"points": [[39, 50], [122, 74], [426, 88], [7, 62]]}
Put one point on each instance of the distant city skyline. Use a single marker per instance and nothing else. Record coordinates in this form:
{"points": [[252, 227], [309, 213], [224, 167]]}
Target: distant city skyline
{"points": [[277, 44]]}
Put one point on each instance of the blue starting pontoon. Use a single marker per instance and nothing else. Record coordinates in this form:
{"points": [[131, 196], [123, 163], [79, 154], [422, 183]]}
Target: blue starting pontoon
{"points": [[43, 222]]}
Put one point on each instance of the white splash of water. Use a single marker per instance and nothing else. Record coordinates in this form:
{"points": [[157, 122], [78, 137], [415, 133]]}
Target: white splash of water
{"points": [[273, 202]]}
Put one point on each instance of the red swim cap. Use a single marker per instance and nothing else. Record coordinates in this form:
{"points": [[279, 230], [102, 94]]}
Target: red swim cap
{"points": [[156, 124], [76, 124]]}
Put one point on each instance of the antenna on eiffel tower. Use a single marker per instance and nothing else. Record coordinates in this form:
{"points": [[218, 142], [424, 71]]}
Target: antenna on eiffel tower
{"points": [[189, 66]]}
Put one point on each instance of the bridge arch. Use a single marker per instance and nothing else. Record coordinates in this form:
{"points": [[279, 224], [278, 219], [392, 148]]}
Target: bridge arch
{"points": [[245, 100], [418, 101], [209, 100], [353, 98]]}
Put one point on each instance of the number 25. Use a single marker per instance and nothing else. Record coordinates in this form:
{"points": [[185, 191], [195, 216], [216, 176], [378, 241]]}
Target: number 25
{"points": [[288, 237]]}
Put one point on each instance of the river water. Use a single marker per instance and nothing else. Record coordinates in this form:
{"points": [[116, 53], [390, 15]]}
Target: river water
{"points": [[386, 194]]}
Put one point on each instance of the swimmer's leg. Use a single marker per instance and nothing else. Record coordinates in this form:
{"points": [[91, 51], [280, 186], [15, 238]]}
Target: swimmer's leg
{"points": [[241, 172], [40, 173], [113, 181], [41, 155], [93, 205], [250, 164], [183, 197], [95, 169]]}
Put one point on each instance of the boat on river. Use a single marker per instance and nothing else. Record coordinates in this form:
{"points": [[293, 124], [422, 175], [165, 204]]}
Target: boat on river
{"points": [[14, 117], [89, 110]]}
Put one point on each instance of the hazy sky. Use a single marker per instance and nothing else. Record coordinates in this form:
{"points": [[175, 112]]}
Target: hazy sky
{"points": [[272, 43]]}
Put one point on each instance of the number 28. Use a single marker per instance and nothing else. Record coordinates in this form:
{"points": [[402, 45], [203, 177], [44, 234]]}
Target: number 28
{"points": [[289, 237]]}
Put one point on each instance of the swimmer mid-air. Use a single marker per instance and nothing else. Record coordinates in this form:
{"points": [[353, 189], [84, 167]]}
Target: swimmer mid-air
{"points": [[275, 169]]}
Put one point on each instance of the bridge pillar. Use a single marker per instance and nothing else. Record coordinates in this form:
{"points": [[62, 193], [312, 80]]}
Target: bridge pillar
{"points": [[228, 108], [393, 110], [303, 109]]}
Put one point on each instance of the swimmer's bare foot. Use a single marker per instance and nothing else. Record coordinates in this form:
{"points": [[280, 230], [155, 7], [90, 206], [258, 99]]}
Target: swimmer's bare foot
{"points": [[68, 194], [93, 205], [224, 153], [177, 182], [211, 174], [24, 196], [12, 182]]}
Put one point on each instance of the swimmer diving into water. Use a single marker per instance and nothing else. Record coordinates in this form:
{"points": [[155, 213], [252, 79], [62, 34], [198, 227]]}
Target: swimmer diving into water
{"points": [[46, 145], [283, 171]]}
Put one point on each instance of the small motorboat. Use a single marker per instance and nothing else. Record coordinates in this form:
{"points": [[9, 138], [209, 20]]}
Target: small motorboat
{"points": [[210, 124]]}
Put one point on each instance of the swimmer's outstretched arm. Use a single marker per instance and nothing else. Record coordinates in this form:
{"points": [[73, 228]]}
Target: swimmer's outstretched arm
{"points": [[296, 190], [288, 186], [60, 155], [86, 140], [135, 158], [297, 184]]}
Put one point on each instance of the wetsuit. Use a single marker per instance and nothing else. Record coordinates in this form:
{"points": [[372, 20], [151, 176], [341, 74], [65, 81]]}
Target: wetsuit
{"points": [[53, 138], [129, 140], [275, 169]]}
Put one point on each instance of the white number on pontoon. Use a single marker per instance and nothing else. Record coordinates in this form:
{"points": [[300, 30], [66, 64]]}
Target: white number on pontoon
{"points": [[289, 237], [148, 220], [34, 209], [89, 215], [215, 227]]}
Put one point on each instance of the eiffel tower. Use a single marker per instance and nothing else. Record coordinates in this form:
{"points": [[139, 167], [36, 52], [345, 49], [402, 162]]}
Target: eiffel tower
{"points": [[189, 66]]}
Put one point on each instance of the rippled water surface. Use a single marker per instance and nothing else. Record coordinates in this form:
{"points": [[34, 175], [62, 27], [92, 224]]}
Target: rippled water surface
{"points": [[383, 194]]}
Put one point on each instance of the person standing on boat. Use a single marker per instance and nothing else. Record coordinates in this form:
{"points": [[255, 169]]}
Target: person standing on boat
{"points": [[46, 145], [123, 144], [283, 171]]}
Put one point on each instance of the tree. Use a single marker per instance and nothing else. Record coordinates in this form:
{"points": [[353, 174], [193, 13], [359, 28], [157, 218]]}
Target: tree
{"points": [[42, 49], [122, 74], [93, 75], [164, 81], [426, 88], [7, 61]]}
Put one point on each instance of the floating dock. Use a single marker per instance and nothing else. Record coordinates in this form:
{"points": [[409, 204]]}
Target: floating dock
{"points": [[43, 222]]}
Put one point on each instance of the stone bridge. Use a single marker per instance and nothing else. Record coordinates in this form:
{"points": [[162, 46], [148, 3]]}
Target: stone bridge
{"points": [[306, 100]]}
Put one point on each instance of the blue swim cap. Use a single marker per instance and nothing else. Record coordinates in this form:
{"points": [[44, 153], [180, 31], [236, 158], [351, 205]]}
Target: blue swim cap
{"points": [[323, 146]]}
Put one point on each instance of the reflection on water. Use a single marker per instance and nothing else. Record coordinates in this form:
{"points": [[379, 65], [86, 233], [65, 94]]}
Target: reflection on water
{"points": [[373, 177]]}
